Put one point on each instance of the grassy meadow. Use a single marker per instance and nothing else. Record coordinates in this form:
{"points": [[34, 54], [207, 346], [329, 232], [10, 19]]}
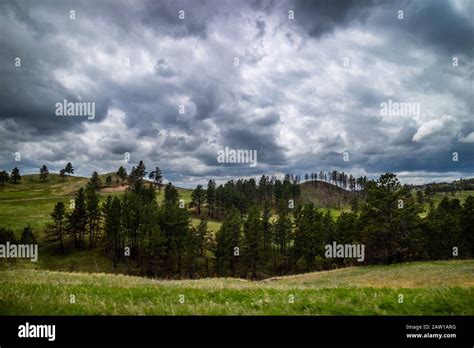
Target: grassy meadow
{"points": [[428, 288], [32, 201]]}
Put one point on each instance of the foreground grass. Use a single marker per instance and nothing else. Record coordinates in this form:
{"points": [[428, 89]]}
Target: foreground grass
{"points": [[428, 288]]}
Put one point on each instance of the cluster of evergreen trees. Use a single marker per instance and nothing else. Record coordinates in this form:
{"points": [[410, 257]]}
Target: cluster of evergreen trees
{"points": [[7, 235], [388, 225], [157, 239], [14, 177], [341, 179], [243, 194], [268, 235]]}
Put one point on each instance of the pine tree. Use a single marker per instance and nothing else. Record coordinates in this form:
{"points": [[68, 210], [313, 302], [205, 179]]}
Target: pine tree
{"points": [[27, 236], [4, 177], [389, 217], [57, 233], [310, 236], [69, 169], [140, 170], [43, 172], [211, 198], [204, 244], [191, 252], [93, 213], [198, 197], [15, 176], [174, 223], [227, 249], [267, 228], [152, 241], [112, 210], [252, 243], [77, 219], [136, 175], [95, 181], [122, 174], [283, 227], [157, 178], [445, 229]]}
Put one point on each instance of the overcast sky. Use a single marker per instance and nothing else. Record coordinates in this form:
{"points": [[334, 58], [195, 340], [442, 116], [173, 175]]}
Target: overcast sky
{"points": [[307, 87]]}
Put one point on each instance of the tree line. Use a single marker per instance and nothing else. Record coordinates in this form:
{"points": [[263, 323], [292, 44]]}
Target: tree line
{"points": [[15, 177], [261, 239], [242, 194]]}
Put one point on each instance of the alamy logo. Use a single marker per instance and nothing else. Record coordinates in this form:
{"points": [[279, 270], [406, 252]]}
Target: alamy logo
{"points": [[22, 251], [335, 250], [76, 109], [37, 331], [399, 109], [237, 156]]}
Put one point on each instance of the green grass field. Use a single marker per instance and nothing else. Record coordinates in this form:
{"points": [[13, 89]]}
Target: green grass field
{"points": [[438, 196], [32, 201], [428, 288]]}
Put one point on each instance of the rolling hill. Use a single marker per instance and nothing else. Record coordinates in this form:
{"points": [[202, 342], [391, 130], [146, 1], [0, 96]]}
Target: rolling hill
{"points": [[32, 201], [419, 288], [324, 194]]}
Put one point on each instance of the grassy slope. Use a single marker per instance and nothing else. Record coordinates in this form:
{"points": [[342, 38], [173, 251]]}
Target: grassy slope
{"points": [[428, 288], [438, 196], [32, 201]]}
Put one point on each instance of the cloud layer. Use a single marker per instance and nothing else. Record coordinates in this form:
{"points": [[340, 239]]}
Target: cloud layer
{"points": [[301, 82]]}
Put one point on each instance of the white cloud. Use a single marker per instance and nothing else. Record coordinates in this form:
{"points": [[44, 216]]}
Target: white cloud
{"points": [[467, 139], [444, 125]]}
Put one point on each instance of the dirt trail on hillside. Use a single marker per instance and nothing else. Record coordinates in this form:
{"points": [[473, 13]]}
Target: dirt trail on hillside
{"points": [[120, 188]]}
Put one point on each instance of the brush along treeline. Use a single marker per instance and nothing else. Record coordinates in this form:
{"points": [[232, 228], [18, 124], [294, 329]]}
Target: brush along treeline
{"points": [[269, 237]]}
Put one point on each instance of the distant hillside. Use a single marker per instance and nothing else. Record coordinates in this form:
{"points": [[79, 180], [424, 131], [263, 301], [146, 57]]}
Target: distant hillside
{"points": [[457, 185], [326, 195]]}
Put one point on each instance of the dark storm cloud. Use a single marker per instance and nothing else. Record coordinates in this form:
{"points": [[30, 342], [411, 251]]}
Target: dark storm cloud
{"points": [[118, 146], [429, 22], [163, 69], [268, 150], [437, 24], [290, 98], [261, 27], [405, 135], [20, 11], [162, 17], [320, 17], [436, 160]]}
